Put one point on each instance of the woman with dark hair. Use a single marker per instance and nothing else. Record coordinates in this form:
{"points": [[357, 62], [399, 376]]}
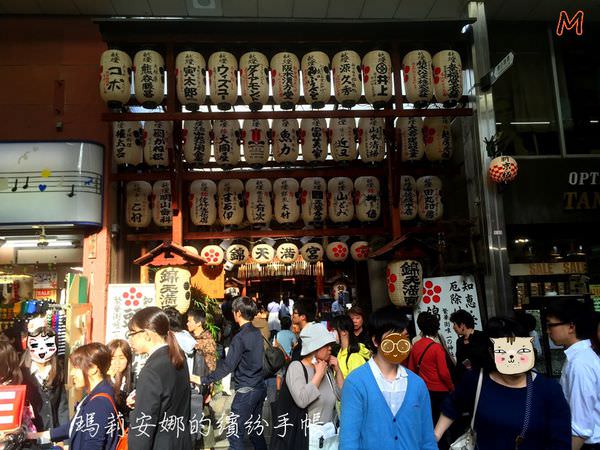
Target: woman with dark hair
{"points": [[517, 407], [161, 416], [185, 340], [352, 353], [121, 373], [95, 425]]}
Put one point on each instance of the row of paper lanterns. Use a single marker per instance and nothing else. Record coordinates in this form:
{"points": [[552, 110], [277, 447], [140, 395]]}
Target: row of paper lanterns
{"points": [[285, 200], [284, 139], [424, 77]]}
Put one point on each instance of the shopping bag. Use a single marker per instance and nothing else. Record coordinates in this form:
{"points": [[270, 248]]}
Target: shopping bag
{"points": [[322, 437]]}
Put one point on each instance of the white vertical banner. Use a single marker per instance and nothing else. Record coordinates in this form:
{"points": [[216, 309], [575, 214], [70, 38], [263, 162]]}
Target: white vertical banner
{"points": [[124, 300], [444, 295]]}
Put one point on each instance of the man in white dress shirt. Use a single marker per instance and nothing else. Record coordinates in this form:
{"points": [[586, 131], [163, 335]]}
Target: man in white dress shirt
{"points": [[566, 323]]}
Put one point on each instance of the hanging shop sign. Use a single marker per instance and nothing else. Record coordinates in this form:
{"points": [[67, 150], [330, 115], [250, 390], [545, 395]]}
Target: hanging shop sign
{"points": [[316, 79], [231, 202], [196, 141], [284, 133], [287, 204], [263, 253], [255, 138], [377, 77], [343, 139], [190, 72], [408, 198], [254, 78], [124, 300], [285, 77], [258, 201], [115, 78], [429, 198], [503, 169], [412, 139], [438, 138], [444, 295], [45, 280], [149, 76], [314, 201], [312, 252], [51, 183], [368, 200], [287, 253], [447, 77], [403, 280], [172, 286], [128, 143], [162, 211], [417, 71], [313, 138], [560, 268], [371, 141], [203, 202], [340, 199], [222, 72], [347, 80], [157, 140], [227, 144], [237, 254], [138, 205]]}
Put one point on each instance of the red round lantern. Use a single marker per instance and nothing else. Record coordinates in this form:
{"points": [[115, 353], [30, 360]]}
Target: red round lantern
{"points": [[503, 169]]}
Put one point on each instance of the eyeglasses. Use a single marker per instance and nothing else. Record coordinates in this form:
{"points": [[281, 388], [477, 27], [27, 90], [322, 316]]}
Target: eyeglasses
{"points": [[130, 334], [556, 324]]}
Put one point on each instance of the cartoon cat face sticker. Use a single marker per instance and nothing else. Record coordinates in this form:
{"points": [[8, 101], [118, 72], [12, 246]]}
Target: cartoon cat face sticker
{"points": [[395, 347], [513, 355], [41, 346]]}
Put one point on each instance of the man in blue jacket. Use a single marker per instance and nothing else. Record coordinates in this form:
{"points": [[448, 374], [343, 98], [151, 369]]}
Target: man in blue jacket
{"points": [[384, 405]]}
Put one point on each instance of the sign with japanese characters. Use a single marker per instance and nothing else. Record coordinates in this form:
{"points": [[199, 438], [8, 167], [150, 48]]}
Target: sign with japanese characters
{"points": [[444, 295], [45, 280], [124, 300], [173, 286]]}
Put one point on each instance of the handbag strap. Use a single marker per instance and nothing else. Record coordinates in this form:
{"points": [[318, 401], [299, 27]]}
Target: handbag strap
{"points": [[422, 356], [479, 384], [521, 437], [112, 402]]}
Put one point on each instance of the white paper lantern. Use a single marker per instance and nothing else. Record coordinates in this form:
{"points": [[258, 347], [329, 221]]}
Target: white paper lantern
{"points": [[138, 204], [287, 253], [285, 77], [312, 252], [316, 79], [503, 169], [162, 211], [404, 280], [263, 253], [255, 137], [447, 77], [417, 69], [213, 255], [158, 138], [343, 139], [254, 78], [429, 198], [360, 251], [172, 287], [231, 202], [408, 198], [313, 137], [377, 77], [203, 202], [128, 143], [258, 201], [191, 249], [190, 73], [227, 144], [438, 138], [371, 140], [340, 199], [115, 78], [368, 199], [285, 140], [412, 141], [314, 200], [196, 142], [149, 76], [237, 254], [222, 71], [337, 251], [347, 77], [287, 205]]}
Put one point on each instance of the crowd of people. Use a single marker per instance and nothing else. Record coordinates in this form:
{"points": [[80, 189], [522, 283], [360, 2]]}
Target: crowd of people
{"points": [[355, 383]]}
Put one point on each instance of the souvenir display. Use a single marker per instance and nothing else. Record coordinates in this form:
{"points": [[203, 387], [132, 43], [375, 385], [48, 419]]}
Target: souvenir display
{"points": [[359, 251], [368, 199], [231, 202], [312, 252], [337, 251], [196, 141], [190, 73], [417, 70], [347, 80], [377, 77], [313, 138], [371, 140], [340, 199], [408, 198], [343, 139], [447, 77], [412, 140], [162, 211], [287, 205], [313, 200], [255, 138], [405, 282], [287, 253], [226, 143], [138, 204], [429, 198], [157, 141], [128, 143], [316, 79], [285, 77], [284, 133], [212, 254], [149, 77], [503, 169], [258, 201], [438, 138], [254, 79], [115, 78], [203, 202], [172, 286], [263, 253], [222, 72], [237, 254]]}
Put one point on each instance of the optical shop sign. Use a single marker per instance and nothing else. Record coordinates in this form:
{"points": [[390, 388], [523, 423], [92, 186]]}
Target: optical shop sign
{"points": [[51, 183], [444, 295]]}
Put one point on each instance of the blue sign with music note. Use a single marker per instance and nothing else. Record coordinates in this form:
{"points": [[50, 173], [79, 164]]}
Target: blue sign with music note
{"points": [[51, 183]]}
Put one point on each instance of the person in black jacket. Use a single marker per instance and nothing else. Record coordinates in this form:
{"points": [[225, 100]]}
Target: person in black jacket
{"points": [[43, 374], [245, 360], [471, 345], [95, 425], [161, 416]]}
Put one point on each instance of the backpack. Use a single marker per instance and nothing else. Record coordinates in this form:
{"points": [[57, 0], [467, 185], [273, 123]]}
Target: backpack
{"points": [[122, 442], [273, 359], [284, 311]]}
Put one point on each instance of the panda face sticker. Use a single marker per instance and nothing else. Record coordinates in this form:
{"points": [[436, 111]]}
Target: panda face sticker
{"points": [[395, 347], [41, 348], [513, 355]]}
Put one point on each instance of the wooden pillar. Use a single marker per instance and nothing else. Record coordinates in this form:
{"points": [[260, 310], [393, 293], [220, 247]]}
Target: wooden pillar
{"points": [[144, 270]]}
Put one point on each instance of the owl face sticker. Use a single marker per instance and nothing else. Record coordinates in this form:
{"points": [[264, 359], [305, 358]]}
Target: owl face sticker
{"points": [[41, 347], [513, 355], [395, 347]]}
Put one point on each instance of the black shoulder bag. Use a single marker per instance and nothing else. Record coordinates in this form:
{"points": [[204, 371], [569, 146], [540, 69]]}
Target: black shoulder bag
{"points": [[421, 358]]}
